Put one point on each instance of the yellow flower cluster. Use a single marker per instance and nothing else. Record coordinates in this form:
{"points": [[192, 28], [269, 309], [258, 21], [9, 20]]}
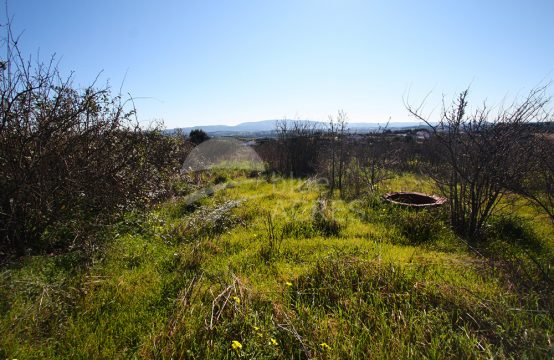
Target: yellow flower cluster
{"points": [[272, 341], [325, 346], [236, 345]]}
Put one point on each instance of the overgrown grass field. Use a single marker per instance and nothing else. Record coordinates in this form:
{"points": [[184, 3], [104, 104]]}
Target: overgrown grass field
{"points": [[278, 268]]}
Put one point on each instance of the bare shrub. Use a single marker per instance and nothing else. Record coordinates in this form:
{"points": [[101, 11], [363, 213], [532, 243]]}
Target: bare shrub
{"points": [[479, 154], [70, 159], [297, 147], [372, 160]]}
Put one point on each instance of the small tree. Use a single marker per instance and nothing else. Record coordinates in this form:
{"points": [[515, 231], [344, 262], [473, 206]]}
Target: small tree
{"points": [[337, 131], [198, 136], [481, 153], [342, 134], [298, 146], [332, 152]]}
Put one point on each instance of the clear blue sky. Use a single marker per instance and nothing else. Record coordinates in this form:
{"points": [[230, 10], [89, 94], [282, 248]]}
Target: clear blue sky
{"points": [[226, 62]]}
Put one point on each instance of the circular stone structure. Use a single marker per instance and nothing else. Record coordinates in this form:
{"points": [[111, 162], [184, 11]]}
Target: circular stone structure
{"points": [[414, 199]]}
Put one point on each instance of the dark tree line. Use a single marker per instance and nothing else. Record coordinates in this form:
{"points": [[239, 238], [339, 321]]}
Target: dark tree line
{"points": [[350, 163], [295, 151]]}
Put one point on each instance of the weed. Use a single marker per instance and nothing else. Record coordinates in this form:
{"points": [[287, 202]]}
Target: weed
{"points": [[207, 221], [298, 229], [373, 302], [515, 230], [220, 179], [323, 220], [524, 259], [418, 226], [272, 247]]}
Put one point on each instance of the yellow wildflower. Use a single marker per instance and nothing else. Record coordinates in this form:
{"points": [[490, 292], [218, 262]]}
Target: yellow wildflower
{"points": [[274, 342], [288, 283], [325, 346], [236, 345], [237, 299]]}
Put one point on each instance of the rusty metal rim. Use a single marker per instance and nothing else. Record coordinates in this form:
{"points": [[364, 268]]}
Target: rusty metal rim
{"points": [[437, 200]]}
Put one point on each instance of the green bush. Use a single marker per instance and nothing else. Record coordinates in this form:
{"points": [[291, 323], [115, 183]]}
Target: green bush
{"points": [[418, 226], [298, 229]]}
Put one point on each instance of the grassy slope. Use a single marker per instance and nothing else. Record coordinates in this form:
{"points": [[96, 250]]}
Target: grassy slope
{"points": [[249, 265]]}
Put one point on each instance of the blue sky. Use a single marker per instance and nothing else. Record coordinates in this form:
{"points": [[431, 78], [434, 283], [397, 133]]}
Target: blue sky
{"points": [[226, 62]]}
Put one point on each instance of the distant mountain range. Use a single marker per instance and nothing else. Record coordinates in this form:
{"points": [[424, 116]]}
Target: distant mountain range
{"points": [[267, 127]]}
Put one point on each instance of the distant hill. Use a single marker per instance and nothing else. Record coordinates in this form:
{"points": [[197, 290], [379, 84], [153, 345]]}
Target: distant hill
{"points": [[267, 127]]}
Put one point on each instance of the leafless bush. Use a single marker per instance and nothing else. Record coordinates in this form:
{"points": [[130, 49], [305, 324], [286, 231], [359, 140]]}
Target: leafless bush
{"points": [[70, 159], [296, 147], [372, 160], [480, 154], [335, 158]]}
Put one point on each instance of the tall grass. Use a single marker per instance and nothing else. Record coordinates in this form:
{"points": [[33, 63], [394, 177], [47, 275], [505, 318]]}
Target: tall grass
{"points": [[271, 270]]}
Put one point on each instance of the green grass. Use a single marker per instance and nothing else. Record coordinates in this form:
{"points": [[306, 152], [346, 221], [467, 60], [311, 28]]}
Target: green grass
{"points": [[288, 273]]}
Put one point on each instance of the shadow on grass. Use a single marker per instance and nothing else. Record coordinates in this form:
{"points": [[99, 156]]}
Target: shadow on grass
{"points": [[524, 259]]}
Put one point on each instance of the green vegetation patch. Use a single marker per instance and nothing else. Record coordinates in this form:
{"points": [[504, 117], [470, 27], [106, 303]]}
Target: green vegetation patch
{"points": [[280, 269]]}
